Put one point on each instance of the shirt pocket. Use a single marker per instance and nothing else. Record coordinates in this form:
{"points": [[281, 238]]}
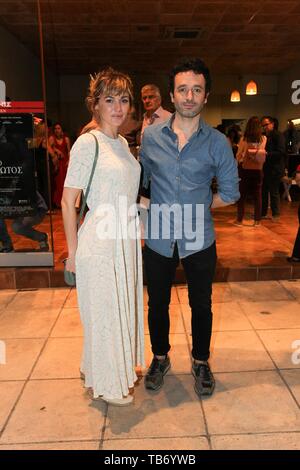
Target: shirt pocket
{"points": [[198, 175]]}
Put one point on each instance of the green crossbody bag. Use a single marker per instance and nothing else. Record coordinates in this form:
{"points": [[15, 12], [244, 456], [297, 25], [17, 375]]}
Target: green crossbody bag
{"points": [[69, 276]]}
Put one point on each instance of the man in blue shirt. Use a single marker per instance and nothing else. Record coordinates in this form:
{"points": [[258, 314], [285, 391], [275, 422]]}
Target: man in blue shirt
{"points": [[181, 156]]}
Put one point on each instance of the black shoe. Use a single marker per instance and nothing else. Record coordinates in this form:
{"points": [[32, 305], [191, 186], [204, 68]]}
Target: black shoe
{"points": [[293, 259], [204, 379], [155, 376]]}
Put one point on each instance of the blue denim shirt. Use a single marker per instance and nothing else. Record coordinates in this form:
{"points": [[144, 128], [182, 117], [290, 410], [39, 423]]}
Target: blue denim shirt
{"points": [[181, 181]]}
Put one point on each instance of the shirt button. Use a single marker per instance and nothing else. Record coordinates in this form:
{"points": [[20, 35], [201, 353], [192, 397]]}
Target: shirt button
{"points": [[177, 177]]}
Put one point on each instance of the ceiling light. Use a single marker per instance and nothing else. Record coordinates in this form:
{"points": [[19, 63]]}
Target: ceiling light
{"points": [[235, 96], [251, 88]]}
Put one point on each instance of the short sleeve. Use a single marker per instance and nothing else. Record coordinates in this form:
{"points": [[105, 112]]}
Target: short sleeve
{"points": [[81, 161]]}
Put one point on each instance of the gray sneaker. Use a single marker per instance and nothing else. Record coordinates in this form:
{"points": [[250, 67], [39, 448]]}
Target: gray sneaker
{"points": [[204, 379], [154, 378]]}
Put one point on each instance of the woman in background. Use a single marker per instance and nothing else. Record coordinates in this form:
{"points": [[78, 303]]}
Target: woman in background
{"points": [[251, 156], [60, 152]]}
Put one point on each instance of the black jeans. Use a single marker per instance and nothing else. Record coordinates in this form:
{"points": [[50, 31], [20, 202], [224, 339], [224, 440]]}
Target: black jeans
{"points": [[271, 185], [160, 271], [251, 183]]}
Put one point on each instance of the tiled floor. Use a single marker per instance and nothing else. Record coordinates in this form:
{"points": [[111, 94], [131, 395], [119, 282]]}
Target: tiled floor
{"points": [[255, 357]]}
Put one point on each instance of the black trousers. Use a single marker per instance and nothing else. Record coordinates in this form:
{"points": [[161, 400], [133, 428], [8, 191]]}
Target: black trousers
{"points": [[160, 271], [271, 185]]}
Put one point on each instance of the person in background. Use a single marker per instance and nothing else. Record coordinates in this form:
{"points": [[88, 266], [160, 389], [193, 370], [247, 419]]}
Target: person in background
{"points": [[251, 156], [292, 138], [106, 258], [41, 152], [60, 146], [131, 130], [181, 156], [273, 168], [221, 128], [154, 112], [234, 137], [295, 258]]}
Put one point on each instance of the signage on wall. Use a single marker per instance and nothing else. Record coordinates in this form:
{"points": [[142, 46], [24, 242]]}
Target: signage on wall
{"points": [[22, 107], [17, 166]]}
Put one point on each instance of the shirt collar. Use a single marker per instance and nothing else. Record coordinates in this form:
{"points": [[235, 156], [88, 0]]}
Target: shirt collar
{"points": [[156, 114], [203, 127]]}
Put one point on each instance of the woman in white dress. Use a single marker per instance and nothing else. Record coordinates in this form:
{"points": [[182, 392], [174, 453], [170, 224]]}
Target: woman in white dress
{"points": [[106, 252]]}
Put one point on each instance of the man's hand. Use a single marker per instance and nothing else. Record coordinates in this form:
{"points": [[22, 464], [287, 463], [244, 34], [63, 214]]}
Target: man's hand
{"points": [[218, 202]]}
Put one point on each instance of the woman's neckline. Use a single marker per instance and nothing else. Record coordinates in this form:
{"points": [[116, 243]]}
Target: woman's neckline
{"points": [[105, 135]]}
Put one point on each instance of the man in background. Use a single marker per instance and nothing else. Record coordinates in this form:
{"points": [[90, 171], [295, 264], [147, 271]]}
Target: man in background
{"points": [[273, 168], [154, 112]]}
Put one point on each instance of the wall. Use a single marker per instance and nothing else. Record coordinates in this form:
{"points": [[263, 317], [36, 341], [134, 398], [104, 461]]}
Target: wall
{"points": [[285, 108], [20, 69], [74, 113]]}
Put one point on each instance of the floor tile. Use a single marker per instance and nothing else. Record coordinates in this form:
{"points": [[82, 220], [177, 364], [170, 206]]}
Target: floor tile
{"points": [[258, 291], [175, 443], [179, 354], [68, 324], [221, 292], [6, 296], [273, 441], [292, 377], [227, 316], [293, 287], [271, 314], [71, 301], [35, 323], [233, 351], [174, 411], [60, 359], [9, 392], [281, 346], [21, 355], [73, 445], [248, 402], [54, 410], [39, 298]]}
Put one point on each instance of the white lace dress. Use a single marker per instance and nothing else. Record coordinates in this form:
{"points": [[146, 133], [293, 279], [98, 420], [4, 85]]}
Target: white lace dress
{"points": [[109, 265]]}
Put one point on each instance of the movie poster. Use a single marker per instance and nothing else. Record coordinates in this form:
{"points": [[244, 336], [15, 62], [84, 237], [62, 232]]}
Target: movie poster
{"points": [[17, 168]]}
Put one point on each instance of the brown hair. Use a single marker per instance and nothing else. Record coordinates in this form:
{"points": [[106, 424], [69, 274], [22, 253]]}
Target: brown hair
{"points": [[253, 131], [108, 82]]}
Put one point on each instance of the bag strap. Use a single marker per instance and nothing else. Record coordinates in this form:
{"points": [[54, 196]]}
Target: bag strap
{"points": [[85, 195]]}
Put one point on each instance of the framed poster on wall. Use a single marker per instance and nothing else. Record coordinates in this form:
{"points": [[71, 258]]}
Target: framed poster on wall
{"points": [[17, 166]]}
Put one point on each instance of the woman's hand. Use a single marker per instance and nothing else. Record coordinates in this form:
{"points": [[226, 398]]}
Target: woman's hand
{"points": [[70, 264]]}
